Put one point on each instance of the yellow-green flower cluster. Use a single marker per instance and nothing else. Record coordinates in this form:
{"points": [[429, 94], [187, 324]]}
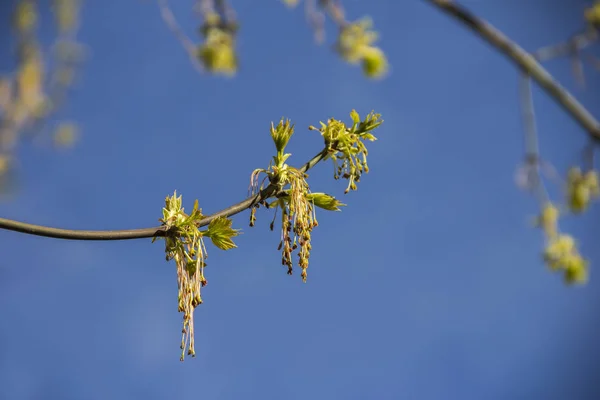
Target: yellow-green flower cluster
{"points": [[25, 17], [297, 211], [184, 243], [582, 188], [66, 14], [217, 53], [30, 76], [355, 45], [187, 248], [281, 135], [561, 253], [293, 198], [346, 144], [297, 216], [278, 170], [592, 14]]}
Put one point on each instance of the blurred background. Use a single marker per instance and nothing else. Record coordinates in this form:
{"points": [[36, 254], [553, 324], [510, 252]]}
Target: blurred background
{"points": [[429, 284]]}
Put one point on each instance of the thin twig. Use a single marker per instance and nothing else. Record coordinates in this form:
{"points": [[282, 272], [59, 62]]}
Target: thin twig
{"points": [[579, 42], [336, 12], [186, 42], [528, 114], [593, 61], [533, 162], [571, 48], [316, 19], [158, 231], [226, 11], [525, 61]]}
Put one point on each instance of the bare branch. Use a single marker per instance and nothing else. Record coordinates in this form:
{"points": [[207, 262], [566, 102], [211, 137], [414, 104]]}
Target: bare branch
{"points": [[158, 231], [525, 61]]}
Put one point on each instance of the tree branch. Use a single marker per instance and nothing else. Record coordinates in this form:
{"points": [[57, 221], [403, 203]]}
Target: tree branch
{"points": [[577, 42], [187, 43], [159, 231], [526, 62]]}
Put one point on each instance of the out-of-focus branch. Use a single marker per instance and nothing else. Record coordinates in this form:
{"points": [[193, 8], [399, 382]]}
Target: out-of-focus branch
{"points": [[36, 89], [577, 42], [314, 11], [572, 48], [187, 43], [529, 174], [525, 61]]}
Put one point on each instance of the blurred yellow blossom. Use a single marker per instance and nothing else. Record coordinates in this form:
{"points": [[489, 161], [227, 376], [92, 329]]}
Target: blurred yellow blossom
{"points": [[581, 189], [217, 53], [592, 14], [355, 44], [65, 135]]}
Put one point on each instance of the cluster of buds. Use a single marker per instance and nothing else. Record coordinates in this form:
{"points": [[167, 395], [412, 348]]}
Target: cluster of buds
{"points": [[217, 53], [592, 14], [184, 243], [355, 45], [561, 253], [186, 247], [355, 40], [582, 188], [294, 198], [297, 216], [346, 145], [277, 170], [23, 98], [190, 263], [297, 213]]}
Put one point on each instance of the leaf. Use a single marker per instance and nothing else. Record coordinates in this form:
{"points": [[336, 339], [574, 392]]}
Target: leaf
{"points": [[355, 117], [325, 201], [281, 134], [368, 136], [195, 215], [221, 232]]}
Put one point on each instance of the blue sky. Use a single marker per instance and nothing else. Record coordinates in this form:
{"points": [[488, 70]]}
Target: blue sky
{"points": [[429, 285]]}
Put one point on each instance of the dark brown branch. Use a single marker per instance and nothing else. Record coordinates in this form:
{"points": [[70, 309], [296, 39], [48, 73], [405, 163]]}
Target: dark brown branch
{"points": [[525, 61], [158, 231]]}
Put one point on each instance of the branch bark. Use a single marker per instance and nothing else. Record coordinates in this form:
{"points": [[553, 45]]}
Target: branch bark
{"points": [[525, 61], [159, 231]]}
